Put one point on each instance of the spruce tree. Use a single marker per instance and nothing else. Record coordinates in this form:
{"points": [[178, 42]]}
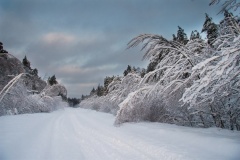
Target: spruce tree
{"points": [[52, 80], [174, 37], [92, 91], [100, 90], [35, 72], [229, 25], [83, 97], [107, 81], [211, 29], [1, 48], [128, 70], [181, 36], [194, 35], [151, 66], [26, 63]]}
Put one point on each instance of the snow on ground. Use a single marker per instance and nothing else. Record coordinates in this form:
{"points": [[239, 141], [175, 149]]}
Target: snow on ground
{"points": [[79, 134]]}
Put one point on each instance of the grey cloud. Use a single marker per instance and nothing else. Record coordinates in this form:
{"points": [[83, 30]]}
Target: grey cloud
{"points": [[97, 32]]}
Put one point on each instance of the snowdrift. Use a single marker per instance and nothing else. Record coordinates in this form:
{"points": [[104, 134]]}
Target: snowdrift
{"points": [[15, 98]]}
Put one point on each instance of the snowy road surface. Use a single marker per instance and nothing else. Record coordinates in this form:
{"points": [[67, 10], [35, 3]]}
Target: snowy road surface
{"points": [[79, 134]]}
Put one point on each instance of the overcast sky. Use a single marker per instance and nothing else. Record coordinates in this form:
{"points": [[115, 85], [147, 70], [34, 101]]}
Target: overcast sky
{"points": [[83, 41]]}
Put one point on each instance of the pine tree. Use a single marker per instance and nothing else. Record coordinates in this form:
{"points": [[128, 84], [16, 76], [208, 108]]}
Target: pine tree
{"points": [[107, 81], [83, 97], [93, 91], [1, 48], [73, 101], [151, 66], [195, 35], [52, 80], [134, 69], [100, 90], [181, 36], [128, 70], [174, 37], [35, 71], [211, 29], [26, 63], [229, 25]]}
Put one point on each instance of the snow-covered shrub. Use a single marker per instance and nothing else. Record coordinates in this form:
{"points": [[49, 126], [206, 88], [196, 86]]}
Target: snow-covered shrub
{"points": [[54, 90], [118, 90], [101, 104], [132, 108], [15, 98]]}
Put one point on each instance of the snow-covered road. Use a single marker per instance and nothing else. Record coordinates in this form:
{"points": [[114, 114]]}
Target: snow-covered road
{"points": [[79, 134]]}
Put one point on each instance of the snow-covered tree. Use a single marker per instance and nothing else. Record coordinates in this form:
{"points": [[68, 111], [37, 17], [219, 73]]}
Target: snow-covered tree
{"points": [[2, 51], [52, 80], [227, 5], [195, 35], [229, 25], [166, 83], [15, 98], [26, 62], [128, 70], [181, 36], [191, 83], [118, 91], [211, 29], [216, 95]]}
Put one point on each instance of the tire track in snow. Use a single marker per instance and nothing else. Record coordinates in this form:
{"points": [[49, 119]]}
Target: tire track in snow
{"points": [[117, 142], [80, 134]]}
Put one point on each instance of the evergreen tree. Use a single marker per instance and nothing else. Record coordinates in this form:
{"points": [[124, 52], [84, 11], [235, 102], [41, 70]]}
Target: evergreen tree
{"points": [[52, 80], [107, 81], [35, 72], [26, 62], [83, 97], [100, 90], [73, 101], [151, 66], [229, 25], [143, 72], [211, 29], [1, 48], [174, 37], [134, 69], [128, 70], [93, 91], [195, 35], [181, 36]]}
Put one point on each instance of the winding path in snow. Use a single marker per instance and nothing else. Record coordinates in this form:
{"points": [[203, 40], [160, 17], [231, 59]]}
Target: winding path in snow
{"points": [[80, 134]]}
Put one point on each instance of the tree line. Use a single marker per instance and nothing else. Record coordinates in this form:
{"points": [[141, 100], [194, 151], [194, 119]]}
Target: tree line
{"points": [[191, 82]]}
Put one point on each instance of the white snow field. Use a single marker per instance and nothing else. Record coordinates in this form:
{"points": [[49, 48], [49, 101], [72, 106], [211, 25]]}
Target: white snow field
{"points": [[81, 134]]}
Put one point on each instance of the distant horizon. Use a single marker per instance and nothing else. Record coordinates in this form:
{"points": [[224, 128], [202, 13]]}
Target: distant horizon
{"points": [[82, 42]]}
